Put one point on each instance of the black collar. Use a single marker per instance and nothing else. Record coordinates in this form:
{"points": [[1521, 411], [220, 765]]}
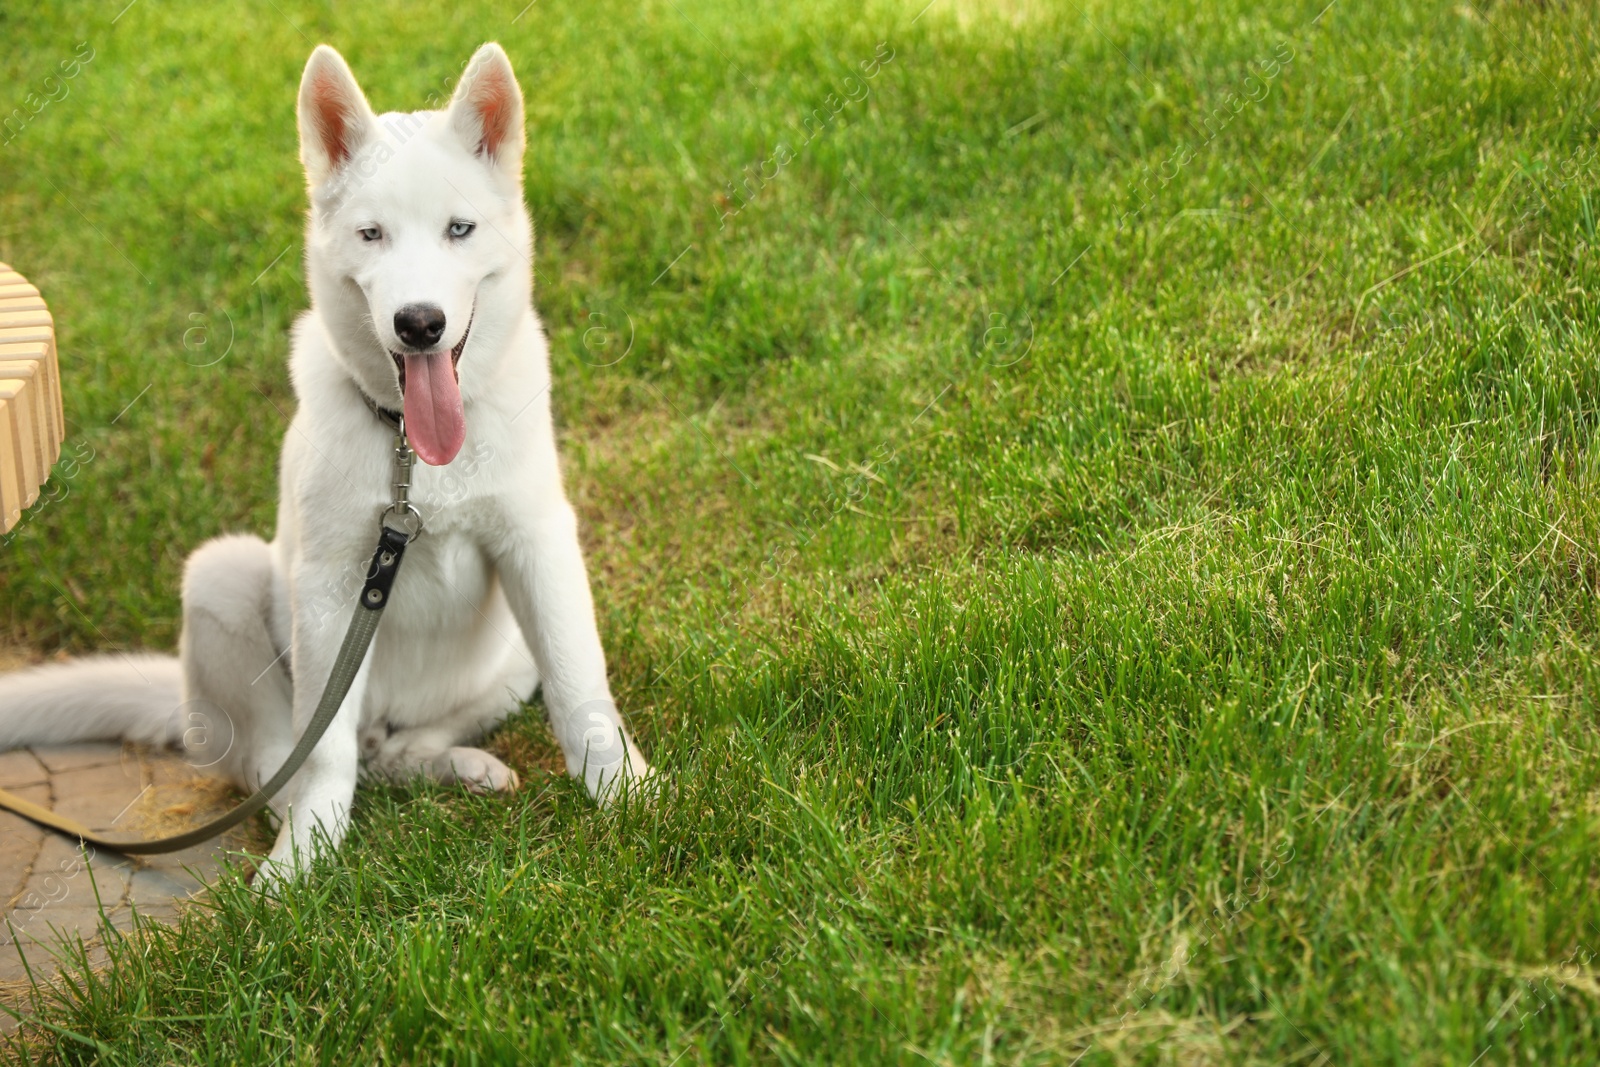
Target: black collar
{"points": [[388, 416]]}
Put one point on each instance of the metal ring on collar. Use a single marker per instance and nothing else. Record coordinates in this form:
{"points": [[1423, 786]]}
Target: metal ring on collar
{"points": [[407, 511]]}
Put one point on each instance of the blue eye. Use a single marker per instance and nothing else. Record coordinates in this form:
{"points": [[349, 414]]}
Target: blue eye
{"points": [[370, 233], [461, 229]]}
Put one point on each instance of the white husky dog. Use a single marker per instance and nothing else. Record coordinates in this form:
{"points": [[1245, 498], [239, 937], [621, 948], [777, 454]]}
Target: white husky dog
{"points": [[419, 252]]}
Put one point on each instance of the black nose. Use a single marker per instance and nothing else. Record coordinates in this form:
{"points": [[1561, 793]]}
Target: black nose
{"points": [[419, 325]]}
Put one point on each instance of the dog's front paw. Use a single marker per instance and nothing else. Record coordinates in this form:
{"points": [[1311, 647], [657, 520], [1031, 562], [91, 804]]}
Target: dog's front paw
{"points": [[273, 875], [301, 844], [284, 866], [477, 770], [632, 777]]}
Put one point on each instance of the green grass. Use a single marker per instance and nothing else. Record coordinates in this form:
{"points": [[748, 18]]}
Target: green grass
{"points": [[1108, 562]]}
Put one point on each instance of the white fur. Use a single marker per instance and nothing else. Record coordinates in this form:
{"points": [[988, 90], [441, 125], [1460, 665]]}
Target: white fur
{"points": [[135, 697], [490, 600]]}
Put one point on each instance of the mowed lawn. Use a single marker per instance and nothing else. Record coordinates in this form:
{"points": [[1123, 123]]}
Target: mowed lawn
{"points": [[1094, 507]]}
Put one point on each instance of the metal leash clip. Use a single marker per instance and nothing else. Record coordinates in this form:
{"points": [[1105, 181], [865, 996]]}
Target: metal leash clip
{"points": [[402, 515]]}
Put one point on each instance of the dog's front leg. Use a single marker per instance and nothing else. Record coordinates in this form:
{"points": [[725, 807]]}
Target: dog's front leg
{"points": [[541, 569], [317, 812]]}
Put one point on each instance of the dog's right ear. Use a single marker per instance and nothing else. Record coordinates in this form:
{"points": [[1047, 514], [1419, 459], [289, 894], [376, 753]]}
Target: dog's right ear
{"points": [[335, 119]]}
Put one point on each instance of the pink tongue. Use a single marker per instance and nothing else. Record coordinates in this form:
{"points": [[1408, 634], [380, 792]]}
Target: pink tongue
{"points": [[435, 425]]}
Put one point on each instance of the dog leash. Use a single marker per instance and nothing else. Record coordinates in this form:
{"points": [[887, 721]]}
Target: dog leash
{"points": [[399, 525]]}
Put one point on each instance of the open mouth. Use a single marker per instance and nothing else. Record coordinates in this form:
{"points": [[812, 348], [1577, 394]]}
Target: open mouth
{"points": [[455, 358], [430, 383]]}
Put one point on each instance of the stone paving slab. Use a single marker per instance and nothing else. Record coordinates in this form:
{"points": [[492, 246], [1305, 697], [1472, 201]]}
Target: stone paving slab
{"points": [[22, 768], [57, 758], [49, 888]]}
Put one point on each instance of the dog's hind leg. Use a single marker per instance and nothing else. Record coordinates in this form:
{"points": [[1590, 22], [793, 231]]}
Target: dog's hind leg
{"points": [[437, 750], [238, 712]]}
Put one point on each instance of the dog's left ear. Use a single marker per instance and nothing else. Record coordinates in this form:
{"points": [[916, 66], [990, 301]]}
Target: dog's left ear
{"points": [[486, 111]]}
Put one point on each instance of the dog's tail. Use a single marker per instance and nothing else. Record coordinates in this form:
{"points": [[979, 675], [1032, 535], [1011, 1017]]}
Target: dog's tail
{"points": [[135, 697]]}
